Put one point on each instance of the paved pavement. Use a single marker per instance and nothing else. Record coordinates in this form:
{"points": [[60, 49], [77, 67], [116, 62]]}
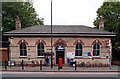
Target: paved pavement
{"points": [[114, 68]]}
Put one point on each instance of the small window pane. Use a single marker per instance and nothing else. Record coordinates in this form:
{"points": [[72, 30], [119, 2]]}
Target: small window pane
{"points": [[25, 53], [94, 47], [21, 53], [98, 46]]}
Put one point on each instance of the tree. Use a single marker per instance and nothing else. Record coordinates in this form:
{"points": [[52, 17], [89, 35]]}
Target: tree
{"points": [[111, 13], [24, 10]]}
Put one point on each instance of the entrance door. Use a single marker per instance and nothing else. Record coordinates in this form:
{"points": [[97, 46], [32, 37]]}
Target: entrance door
{"points": [[60, 50]]}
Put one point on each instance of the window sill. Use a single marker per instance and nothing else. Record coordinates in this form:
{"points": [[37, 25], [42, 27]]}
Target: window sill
{"points": [[79, 57], [40, 56], [96, 57], [23, 57]]}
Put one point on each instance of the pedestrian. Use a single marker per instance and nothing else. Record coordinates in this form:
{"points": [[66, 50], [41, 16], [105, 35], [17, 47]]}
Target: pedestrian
{"points": [[47, 60]]}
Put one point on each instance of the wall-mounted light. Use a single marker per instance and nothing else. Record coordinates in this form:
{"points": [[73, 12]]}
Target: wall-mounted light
{"points": [[11, 37], [103, 40]]}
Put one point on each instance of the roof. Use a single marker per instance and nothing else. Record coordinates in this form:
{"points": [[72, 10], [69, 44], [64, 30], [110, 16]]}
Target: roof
{"points": [[58, 30]]}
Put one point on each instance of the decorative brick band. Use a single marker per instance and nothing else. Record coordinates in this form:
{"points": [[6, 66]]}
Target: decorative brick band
{"points": [[96, 41], [22, 41], [79, 41], [60, 41], [40, 41]]}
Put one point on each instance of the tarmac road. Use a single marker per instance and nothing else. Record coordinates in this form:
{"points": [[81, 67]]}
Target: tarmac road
{"points": [[60, 74]]}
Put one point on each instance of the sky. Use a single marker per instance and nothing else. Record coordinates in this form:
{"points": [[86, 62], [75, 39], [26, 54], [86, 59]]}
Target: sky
{"points": [[68, 12]]}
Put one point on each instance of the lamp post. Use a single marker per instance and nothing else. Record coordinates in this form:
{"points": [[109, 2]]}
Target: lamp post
{"points": [[51, 36], [110, 52]]}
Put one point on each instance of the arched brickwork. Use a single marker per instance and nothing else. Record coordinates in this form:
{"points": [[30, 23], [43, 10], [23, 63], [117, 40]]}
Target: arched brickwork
{"points": [[22, 41], [96, 41], [40, 41], [60, 41], [79, 41]]}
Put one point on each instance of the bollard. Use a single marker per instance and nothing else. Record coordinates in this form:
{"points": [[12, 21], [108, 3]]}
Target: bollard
{"points": [[75, 66], [58, 66], [22, 65], [40, 64], [10, 64], [51, 62], [5, 65]]}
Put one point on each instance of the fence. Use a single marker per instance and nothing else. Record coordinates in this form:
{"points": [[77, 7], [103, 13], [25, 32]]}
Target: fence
{"points": [[24, 64], [38, 65]]}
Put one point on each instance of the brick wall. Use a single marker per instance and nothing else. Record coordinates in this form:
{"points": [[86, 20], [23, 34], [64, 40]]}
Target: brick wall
{"points": [[32, 48]]}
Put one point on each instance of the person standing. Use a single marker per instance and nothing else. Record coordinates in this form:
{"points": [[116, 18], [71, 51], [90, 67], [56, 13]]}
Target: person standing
{"points": [[47, 60]]}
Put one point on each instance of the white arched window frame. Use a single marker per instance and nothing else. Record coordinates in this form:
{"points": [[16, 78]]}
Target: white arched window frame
{"points": [[23, 50], [78, 50], [40, 50], [96, 50]]}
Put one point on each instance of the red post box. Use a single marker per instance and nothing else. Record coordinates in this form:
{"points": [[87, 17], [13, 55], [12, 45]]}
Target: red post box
{"points": [[60, 63]]}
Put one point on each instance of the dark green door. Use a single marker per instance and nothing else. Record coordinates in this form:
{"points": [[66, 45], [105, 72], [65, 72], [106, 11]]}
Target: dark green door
{"points": [[60, 50], [59, 54]]}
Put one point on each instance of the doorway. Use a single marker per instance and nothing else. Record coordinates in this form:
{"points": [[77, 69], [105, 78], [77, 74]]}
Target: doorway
{"points": [[60, 50]]}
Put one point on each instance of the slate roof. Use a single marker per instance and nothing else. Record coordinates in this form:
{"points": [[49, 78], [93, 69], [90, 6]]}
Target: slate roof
{"points": [[58, 30]]}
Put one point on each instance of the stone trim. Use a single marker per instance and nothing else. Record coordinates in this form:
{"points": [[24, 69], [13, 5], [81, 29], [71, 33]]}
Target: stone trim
{"points": [[40, 41], [22, 41], [79, 41], [60, 41], [96, 41]]}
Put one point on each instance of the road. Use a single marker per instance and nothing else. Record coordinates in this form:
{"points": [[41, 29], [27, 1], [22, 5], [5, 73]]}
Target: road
{"points": [[60, 74]]}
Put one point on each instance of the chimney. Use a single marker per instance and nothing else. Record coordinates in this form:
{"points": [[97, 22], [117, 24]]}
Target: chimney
{"points": [[18, 23], [101, 23]]}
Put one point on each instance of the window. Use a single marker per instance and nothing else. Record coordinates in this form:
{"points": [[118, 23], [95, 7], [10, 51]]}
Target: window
{"points": [[40, 49], [23, 51], [78, 51], [96, 50]]}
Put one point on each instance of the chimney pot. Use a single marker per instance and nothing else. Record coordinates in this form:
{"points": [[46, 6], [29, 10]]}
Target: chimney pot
{"points": [[101, 23], [18, 23]]}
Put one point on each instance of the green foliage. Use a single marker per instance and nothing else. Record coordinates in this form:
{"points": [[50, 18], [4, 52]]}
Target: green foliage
{"points": [[24, 10], [111, 13], [111, 0]]}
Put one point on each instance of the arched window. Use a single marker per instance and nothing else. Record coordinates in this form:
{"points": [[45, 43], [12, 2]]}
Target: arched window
{"points": [[40, 48], [96, 49], [78, 51], [23, 50]]}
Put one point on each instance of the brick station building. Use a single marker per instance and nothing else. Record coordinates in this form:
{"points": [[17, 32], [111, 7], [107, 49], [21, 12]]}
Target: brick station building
{"points": [[31, 43]]}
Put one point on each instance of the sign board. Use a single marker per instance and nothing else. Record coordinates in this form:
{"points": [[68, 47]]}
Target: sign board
{"points": [[87, 54], [70, 55], [60, 48]]}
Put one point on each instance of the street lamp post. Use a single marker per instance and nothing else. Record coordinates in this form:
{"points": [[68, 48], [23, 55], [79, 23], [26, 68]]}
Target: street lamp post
{"points": [[110, 53], [51, 36]]}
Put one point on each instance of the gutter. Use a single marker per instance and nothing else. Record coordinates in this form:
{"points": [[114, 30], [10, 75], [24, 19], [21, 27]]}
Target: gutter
{"points": [[59, 34]]}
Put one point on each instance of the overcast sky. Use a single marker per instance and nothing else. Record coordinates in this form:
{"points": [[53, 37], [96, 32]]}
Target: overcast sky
{"points": [[68, 12]]}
